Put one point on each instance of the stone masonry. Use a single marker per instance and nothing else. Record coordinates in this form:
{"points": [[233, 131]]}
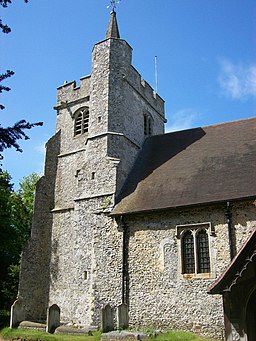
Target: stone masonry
{"points": [[79, 257], [74, 258], [159, 295]]}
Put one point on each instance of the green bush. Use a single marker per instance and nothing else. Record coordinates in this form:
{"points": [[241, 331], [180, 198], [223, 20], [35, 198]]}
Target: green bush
{"points": [[4, 318]]}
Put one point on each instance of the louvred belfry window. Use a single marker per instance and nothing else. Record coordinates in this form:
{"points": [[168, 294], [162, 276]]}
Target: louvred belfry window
{"points": [[81, 123], [147, 125]]}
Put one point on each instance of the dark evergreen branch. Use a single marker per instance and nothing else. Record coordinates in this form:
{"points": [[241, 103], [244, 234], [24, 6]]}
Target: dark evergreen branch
{"points": [[4, 88], [4, 28], [5, 75], [10, 135], [6, 3]]}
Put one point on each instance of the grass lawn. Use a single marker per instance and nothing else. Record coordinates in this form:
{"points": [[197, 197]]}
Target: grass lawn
{"points": [[179, 336], [29, 335]]}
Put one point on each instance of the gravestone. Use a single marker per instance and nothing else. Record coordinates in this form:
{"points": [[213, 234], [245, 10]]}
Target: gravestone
{"points": [[122, 316], [17, 314], [53, 318], [107, 319]]}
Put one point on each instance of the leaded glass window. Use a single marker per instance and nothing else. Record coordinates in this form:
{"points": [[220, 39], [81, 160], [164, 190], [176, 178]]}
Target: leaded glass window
{"points": [[188, 253], [195, 248], [203, 257]]}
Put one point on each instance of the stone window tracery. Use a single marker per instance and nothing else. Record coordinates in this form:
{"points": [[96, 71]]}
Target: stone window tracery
{"points": [[81, 123], [195, 250]]}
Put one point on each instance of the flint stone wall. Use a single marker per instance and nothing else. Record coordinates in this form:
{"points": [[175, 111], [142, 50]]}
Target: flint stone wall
{"points": [[159, 295], [86, 256], [86, 263], [74, 257], [35, 263]]}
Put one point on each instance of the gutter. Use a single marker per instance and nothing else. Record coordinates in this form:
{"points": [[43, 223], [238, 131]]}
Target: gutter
{"points": [[125, 283], [229, 223], [115, 213]]}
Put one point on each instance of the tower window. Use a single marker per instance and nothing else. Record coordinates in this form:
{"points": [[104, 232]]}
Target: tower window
{"points": [[147, 125], [81, 123]]}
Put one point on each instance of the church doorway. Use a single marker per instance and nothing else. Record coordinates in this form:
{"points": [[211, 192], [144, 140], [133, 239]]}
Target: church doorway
{"points": [[251, 317]]}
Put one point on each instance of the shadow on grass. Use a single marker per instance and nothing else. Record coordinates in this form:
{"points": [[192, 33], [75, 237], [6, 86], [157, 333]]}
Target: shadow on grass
{"points": [[35, 335]]}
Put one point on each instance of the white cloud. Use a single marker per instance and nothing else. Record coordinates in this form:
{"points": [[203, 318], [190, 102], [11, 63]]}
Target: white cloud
{"points": [[40, 169], [40, 148], [182, 119], [237, 81]]}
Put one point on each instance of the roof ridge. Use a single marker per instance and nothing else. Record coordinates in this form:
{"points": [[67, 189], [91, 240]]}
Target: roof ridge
{"points": [[209, 126], [229, 122]]}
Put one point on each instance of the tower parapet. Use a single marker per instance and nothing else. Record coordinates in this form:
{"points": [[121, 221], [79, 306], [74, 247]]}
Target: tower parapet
{"points": [[146, 91], [69, 92]]}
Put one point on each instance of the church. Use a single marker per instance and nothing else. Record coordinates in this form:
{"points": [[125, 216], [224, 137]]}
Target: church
{"points": [[128, 215]]}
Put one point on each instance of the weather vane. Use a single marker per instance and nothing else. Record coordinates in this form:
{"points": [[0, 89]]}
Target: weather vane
{"points": [[113, 4]]}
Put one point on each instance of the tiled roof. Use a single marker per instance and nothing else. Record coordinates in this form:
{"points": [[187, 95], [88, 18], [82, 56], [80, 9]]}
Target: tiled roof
{"points": [[237, 268], [190, 167]]}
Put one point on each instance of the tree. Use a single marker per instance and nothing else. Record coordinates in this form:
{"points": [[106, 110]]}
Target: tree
{"points": [[16, 211], [22, 205], [10, 135], [5, 28], [6, 234]]}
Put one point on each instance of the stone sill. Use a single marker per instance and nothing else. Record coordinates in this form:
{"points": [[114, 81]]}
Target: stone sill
{"points": [[206, 275], [62, 209]]}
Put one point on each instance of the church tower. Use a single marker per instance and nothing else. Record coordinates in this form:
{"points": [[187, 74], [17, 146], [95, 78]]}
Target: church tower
{"points": [[74, 257]]}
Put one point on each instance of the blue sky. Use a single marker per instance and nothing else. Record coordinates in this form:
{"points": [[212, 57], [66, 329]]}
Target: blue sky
{"points": [[206, 53]]}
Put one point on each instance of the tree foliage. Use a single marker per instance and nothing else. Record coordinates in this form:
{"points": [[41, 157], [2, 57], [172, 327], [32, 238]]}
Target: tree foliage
{"points": [[16, 210], [5, 28], [6, 189], [5, 75], [10, 135], [6, 234], [22, 208]]}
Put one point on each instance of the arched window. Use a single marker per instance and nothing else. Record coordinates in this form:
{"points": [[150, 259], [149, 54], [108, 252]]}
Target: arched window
{"points": [[195, 248], [188, 253], [203, 257], [147, 125], [81, 123]]}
